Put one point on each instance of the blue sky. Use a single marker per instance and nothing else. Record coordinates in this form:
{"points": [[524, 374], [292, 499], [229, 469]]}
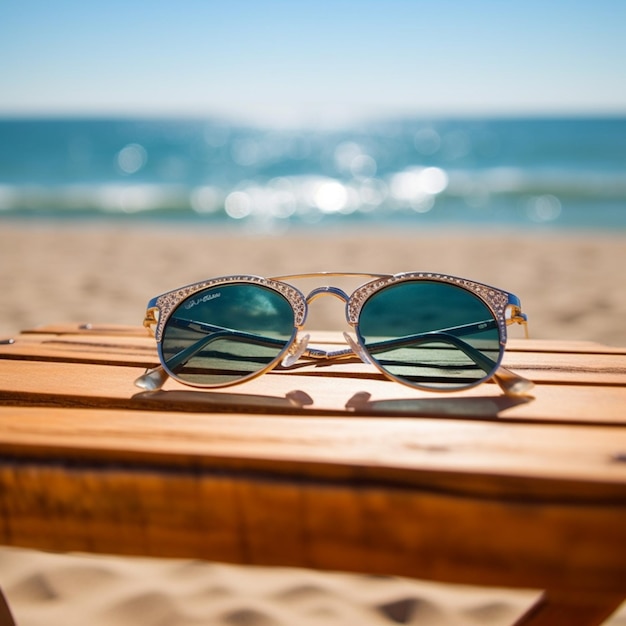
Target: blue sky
{"points": [[319, 62]]}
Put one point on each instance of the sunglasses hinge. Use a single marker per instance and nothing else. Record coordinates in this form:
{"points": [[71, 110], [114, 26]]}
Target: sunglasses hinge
{"points": [[517, 317], [150, 320]]}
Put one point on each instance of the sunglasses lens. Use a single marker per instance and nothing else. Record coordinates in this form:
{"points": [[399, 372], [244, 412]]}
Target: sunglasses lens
{"points": [[226, 333], [431, 335]]}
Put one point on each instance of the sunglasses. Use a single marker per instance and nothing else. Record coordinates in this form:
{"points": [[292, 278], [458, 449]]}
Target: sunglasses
{"points": [[429, 331]]}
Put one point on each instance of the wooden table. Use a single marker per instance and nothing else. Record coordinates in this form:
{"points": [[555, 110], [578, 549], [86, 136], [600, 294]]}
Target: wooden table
{"points": [[324, 466]]}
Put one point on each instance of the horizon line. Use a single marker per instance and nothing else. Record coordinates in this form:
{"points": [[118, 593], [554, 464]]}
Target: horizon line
{"points": [[326, 124]]}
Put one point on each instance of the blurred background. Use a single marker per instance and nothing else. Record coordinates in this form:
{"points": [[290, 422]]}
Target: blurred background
{"points": [[275, 114], [149, 145]]}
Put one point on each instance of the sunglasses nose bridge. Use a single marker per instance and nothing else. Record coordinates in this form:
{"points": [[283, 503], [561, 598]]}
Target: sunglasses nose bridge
{"points": [[330, 291]]}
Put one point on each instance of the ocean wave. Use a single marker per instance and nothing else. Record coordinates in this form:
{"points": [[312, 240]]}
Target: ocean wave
{"points": [[518, 170], [414, 188]]}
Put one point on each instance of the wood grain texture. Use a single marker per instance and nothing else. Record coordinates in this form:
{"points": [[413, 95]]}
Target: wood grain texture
{"points": [[324, 466], [579, 397], [331, 524]]}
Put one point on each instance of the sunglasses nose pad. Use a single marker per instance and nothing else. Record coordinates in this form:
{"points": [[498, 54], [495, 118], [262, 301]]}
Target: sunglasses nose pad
{"points": [[357, 348], [296, 350]]}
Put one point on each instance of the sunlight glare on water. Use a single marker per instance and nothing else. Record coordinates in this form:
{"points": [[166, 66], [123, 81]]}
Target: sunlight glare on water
{"points": [[131, 158], [331, 196], [418, 186]]}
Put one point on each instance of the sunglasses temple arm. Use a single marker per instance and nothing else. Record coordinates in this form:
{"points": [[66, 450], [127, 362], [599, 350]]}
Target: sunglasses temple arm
{"points": [[215, 332], [484, 362], [218, 332], [512, 384], [152, 379], [155, 378], [400, 341]]}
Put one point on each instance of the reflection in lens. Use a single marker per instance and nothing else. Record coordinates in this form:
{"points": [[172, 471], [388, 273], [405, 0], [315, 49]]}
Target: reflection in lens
{"points": [[226, 333], [430, 334]]}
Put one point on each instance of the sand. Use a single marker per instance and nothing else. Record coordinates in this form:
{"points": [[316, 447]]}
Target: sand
{"points": [[571, 286]]}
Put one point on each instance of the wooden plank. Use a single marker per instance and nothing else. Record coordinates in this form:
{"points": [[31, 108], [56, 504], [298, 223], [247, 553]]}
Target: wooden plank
{"points": [[326, 337], [86, 328], [599, 369], [562, 346], [329, 525], [482, 459], [76, 348], [546, 367], [321, 390]]}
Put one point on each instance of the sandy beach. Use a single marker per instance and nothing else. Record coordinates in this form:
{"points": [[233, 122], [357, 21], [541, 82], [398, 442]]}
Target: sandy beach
{"points": [[570, 285]]}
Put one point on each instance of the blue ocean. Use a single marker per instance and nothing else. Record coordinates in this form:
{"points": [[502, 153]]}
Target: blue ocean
{"points": [[503, 172]]}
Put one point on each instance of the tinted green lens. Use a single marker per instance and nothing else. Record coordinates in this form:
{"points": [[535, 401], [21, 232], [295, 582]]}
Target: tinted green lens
{"points": [[431, 334], [226, 333]]}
